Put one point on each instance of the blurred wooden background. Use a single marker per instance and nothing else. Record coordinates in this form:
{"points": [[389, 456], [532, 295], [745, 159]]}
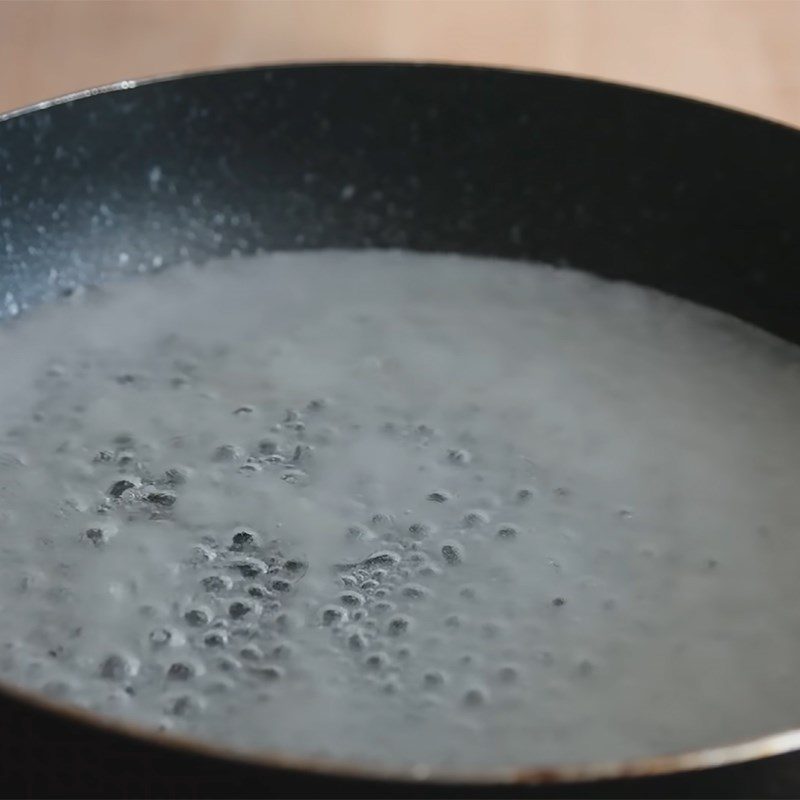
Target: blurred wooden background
{"points": [[744, 53]]}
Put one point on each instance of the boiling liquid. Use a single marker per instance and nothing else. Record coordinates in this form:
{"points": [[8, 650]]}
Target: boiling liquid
{"points": [[402, 510]]}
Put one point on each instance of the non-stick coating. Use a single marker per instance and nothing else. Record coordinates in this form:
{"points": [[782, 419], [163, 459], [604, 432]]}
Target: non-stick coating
{"points": [[693, 199]]}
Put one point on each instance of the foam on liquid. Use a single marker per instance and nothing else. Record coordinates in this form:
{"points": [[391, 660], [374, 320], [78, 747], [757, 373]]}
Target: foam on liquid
{"points": [[402, 510]]}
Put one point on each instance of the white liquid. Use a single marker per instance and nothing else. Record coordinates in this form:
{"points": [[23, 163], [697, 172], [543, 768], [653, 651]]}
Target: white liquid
{"points": [[589, 495]]}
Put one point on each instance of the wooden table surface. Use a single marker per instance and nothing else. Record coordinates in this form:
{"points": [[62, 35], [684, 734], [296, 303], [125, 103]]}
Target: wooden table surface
{"points": [[743, 53]]}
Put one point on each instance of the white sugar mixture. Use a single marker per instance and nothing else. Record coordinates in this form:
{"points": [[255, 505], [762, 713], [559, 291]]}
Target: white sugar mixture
{"points": [[402, 510]]}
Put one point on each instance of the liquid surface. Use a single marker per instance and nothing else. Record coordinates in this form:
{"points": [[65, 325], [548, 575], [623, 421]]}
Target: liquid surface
{"points": [[402, 510]]}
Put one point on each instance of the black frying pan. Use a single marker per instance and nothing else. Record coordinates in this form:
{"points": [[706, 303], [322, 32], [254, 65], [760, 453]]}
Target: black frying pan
{"points": [[686, 197]]}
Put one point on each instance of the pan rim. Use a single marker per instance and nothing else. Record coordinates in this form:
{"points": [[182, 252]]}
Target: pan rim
{"points": [[442, 65], [548, 773]]}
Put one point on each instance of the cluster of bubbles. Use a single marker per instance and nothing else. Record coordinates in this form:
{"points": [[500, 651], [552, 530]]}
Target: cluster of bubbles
{"points": [[237, 597]]}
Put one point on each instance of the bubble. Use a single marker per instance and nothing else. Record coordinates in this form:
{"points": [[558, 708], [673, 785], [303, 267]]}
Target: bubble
{"points": [[216, 638], [413, 591], [122, 485], [251, 652], [383, 607], [382, 558], [185, 705], [249, 567], [428, 570], [382, 520], [164, 637], [228, 664], [268, 672], [351, 599], [333, 615], [474, 697], [390, 428], [302, 454], [296, 567], [118, 667], [359, 533], [100, 534], [161, 498], [282, 651], [475, 518], [267, 447], [439, 496], [295, 476], [239, 609], [175, 476], [198, 617], [376, 661], [585, 667], [202, 553], [491, 630], [245, 631], [434, 679], [452, 553], [357, 642], [124, 440], [287, 621], [399, 625], [227, 452], [425, 432], [421, 530], [460, 456], [216, 583], [127, 458], [181, 671], [507, 674]]}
